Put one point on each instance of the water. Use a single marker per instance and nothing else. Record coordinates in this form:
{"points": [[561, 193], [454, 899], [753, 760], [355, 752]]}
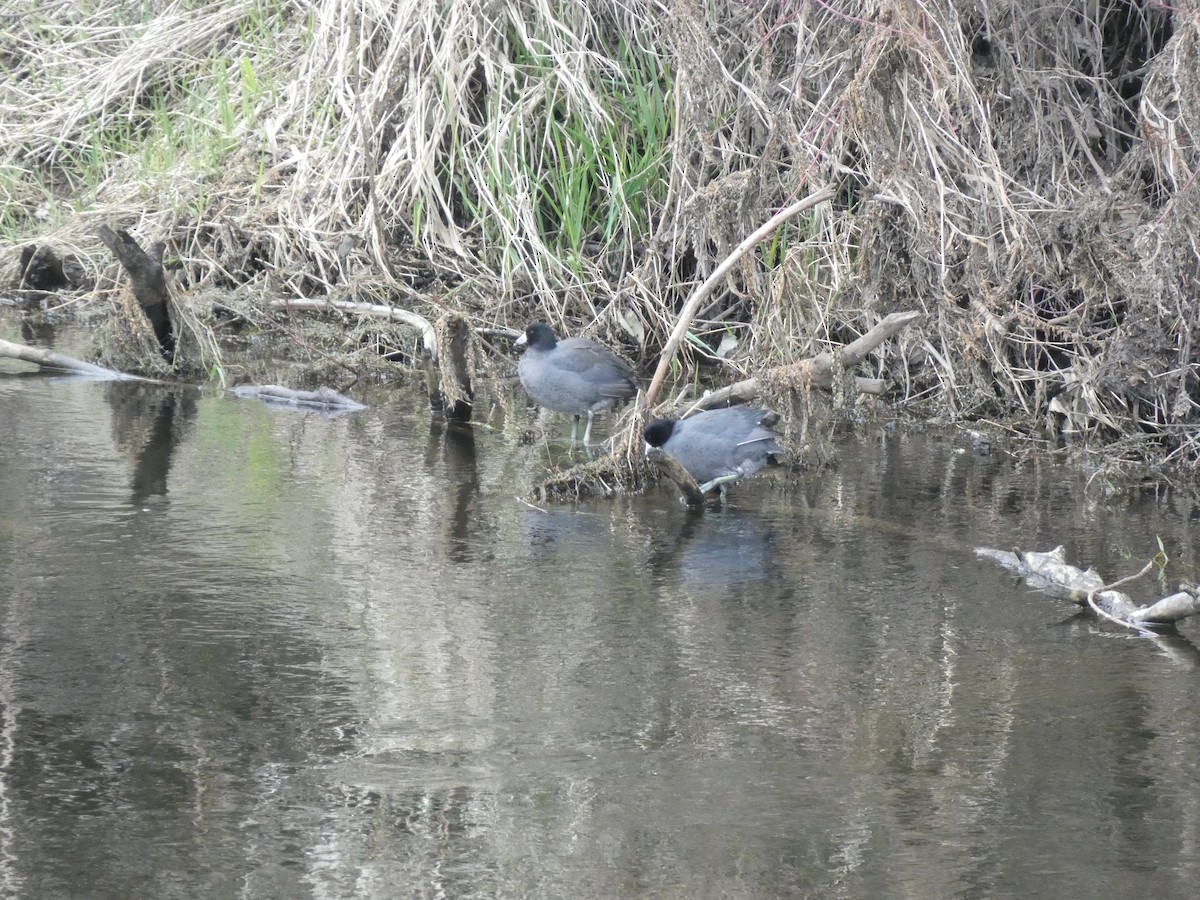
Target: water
{"points": [[248, 651]]}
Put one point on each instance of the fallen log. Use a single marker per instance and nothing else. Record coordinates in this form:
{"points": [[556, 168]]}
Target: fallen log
{"points": [[321, 398], [1050, 573], [48, 359]]}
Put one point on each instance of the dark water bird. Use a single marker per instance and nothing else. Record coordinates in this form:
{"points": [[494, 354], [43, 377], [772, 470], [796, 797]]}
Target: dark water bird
{"points": [[575, 375], [718, 446]]}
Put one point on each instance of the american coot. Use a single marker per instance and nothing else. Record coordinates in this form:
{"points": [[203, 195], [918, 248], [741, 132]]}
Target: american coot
{"points": [[575, 375], [718, 446]]}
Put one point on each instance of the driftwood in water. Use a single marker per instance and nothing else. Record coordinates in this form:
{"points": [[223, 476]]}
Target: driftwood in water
{"points": [[148, 280], [682, 477], [1050, 573], [444, 350], [48, 359], [819, 370], [321, 398]]}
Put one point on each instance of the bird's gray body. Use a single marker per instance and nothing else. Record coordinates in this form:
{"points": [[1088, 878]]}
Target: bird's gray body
{"points": [[575, 375], [717, 446]]}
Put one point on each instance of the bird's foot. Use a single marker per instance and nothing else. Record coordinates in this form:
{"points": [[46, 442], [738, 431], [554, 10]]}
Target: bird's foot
{"points": [[722, 481]]}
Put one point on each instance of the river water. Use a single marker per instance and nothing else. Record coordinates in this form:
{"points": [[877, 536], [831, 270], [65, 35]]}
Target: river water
{"points": [[251, 651]]}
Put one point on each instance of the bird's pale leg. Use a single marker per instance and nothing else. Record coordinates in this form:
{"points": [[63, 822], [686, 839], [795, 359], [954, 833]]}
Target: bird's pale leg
{"points": [[721, 481], [587, 432]]}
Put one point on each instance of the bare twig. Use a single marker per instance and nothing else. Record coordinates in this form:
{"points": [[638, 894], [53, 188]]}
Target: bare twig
{"points": [[1091, 599]]}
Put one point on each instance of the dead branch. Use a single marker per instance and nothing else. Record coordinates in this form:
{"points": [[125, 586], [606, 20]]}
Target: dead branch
{"points": [[678, 474], [148, 280], [1095, 607], [818, 371], [48, 359], [693, 305], [1050, 573], [375, 310]]}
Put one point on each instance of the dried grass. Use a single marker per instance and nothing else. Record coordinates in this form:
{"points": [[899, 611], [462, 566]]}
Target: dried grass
{"points": [[1024, 174]]}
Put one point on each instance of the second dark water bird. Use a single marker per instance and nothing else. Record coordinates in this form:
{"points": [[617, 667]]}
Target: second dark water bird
{"points": [[718, 446], [575, 375]]}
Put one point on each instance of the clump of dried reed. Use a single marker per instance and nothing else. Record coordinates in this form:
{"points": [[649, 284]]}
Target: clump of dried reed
{"points": [[1022, 173]]}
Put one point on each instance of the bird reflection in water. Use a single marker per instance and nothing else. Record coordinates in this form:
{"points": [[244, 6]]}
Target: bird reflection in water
{"points": [[715, 550]]}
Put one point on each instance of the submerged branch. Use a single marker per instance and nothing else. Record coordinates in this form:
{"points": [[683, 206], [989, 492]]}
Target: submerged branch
{"points": [[1050, 573], [48, 359], [322, 398]]}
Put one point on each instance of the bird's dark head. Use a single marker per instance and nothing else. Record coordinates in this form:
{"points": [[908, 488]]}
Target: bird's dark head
{"points": [[538, 336], [659, 432]]}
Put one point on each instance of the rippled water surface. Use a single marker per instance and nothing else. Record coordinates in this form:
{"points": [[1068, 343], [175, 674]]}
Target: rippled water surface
{"points": [[255, 651]]}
